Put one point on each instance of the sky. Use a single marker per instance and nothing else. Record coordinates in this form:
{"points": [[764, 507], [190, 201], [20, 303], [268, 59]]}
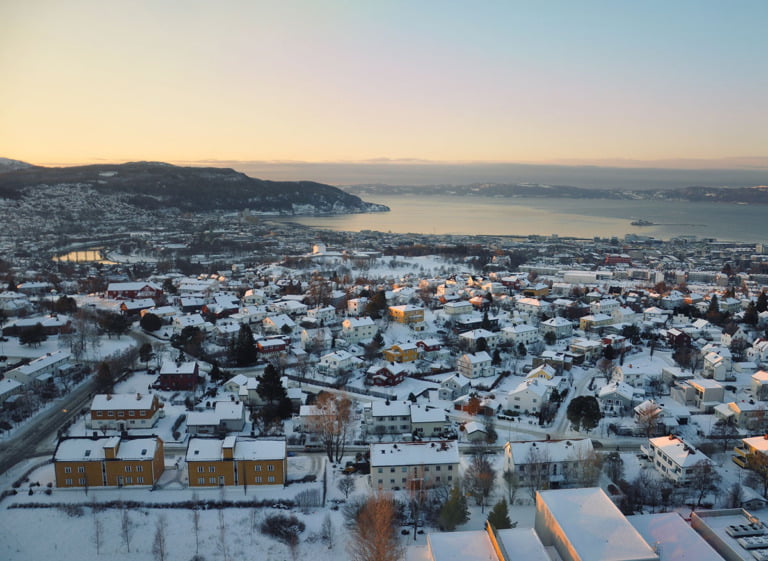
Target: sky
{"points": [[624, 83]]}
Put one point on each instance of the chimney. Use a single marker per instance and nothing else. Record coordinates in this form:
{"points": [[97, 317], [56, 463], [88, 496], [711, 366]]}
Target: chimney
{"points": [[138, 397]]}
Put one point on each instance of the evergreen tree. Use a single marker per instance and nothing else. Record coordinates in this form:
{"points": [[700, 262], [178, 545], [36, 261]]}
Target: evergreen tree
{"points": [[270, 387], [454, 511], [146, 353], [150, 322], [104, 378], [584, 412], [762, 302], [33, 336], [377, 305], [244, 351], [750, 314], [499, 516]]}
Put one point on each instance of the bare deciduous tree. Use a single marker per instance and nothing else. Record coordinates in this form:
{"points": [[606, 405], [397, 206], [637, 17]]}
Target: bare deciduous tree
{"points": [[373, 537], [334, 413], [160, 543], [479, 478], [196, 521], [126, 526], [346, 484], [647, 418]]}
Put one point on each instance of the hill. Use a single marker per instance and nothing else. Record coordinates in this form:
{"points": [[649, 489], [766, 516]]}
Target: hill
{"points": [[156, 185]]}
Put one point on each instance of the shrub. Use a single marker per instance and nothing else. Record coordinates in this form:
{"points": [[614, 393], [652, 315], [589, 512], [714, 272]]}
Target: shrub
{"points": [[284, 528]]}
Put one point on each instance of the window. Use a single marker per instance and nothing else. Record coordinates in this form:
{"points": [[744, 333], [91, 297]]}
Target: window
{"points": [[200, 469], [128, 480], [111, 414], [403, 480], [139, 480], [257, 468], [258, 479], [201, 480], [212, 480], [212, 468], [142, 413], [121, 413], [139, 468], [426, 468], [80, 469], [67, 482], [67, 469], [391, 470], [271, 479], [270, 467], [450, 468], [81, 481], [99, 413], [381, 470], [450, 478], [403, 469], [132, 413], [127, 469], [437, 468], [392, 481]]}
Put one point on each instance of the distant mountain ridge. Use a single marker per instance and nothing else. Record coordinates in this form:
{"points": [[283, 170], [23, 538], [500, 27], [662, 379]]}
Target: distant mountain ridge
{"points": [[157, 185], [746, 195]]}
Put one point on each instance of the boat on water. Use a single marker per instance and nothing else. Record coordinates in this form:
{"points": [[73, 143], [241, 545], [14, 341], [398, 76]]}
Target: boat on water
{"points": [[641, 222]]}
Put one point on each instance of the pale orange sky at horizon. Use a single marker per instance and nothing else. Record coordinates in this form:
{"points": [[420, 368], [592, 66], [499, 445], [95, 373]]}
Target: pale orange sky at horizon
{"points": [[592, 83]]}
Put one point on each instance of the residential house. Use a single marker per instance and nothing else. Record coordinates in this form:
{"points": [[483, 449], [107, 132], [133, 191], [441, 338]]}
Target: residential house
{"points": [[338, 361], [178, 376], [616, 398], [403, 352], [587, 349], [407, 314], [595, 322], [429, 348], [325, 315], [133, 290], [52, 324], [277, 324], [427, 421], [473, 337], [548, 463], [475, 365], [271, 348], [355, 330], [357, 306], [40, 369], [753, 446], [529, 396], [714, 367], [759, 385], [386, 375], [461, 307], [453, 387], [560, 327], [236, 460], [700, 393], [111, 461], [226, 416], [733, 332], [522, 333], [533, 307], [677, 338], [388, 417], [674, 458], [414, 465], [748, 415], [125, 411], [557, 360], [9, 388]]}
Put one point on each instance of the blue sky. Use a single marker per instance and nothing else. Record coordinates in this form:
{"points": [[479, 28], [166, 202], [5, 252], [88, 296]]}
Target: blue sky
{"points": [[329, 81]]}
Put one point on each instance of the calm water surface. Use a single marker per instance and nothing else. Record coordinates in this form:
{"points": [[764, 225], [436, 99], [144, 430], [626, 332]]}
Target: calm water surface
{"points": [[565, 217]]}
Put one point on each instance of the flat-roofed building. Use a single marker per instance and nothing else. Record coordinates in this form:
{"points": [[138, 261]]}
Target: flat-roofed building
{"points": [[585, 525]]}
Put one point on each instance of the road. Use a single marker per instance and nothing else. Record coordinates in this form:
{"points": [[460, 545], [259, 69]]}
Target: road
{"points": [[38, 436]]}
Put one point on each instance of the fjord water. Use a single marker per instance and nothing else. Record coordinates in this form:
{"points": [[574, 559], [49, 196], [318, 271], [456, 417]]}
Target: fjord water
{"points": [[581, 218]]}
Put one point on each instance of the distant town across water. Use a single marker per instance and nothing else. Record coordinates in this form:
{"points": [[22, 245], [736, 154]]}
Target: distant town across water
{"points": [[580, 218]]}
